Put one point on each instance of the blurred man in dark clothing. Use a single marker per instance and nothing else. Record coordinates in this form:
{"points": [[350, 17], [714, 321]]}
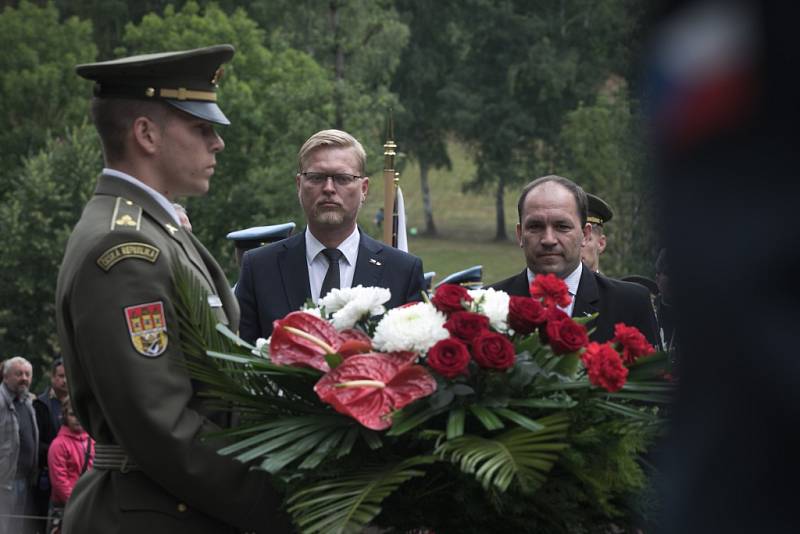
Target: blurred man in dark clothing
{"points": [[726, 120]]}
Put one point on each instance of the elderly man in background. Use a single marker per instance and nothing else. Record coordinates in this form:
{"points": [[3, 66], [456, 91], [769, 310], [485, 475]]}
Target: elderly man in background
{"points": [[19, 438]]}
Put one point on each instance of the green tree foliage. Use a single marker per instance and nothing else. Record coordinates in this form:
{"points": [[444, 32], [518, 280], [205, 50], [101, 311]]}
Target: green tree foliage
{"points": [[274, 98], [426, 66], [524, 66], [603, 150], [358, 43], [37, 217], [38, 86]]}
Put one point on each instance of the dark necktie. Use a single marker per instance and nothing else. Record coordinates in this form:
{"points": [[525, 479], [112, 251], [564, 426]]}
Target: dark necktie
{"points": [[332, 276]]}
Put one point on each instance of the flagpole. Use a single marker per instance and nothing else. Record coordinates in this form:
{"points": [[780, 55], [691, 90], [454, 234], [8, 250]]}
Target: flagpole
{"points": [[389, 184]]}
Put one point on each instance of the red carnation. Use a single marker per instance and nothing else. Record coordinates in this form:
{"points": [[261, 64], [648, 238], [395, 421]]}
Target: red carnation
{"points": [[633, 343], [369, 387], [448, 357], [551, 289], [448, 298], [525, 314], [493, 351], [566, 335], [604, 366], [551, 315], [466, 325]]}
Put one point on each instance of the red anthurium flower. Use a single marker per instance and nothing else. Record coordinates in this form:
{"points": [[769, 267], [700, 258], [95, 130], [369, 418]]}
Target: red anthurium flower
{"points": [[303, 339], [369, 387], [551, 289], [354, 342], [634, 344]]}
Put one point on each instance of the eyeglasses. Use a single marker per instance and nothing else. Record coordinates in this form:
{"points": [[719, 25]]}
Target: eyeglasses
{"points": [[319, 178]]}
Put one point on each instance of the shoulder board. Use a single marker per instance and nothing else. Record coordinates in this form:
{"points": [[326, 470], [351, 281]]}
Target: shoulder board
{"points": [[126, 215]]}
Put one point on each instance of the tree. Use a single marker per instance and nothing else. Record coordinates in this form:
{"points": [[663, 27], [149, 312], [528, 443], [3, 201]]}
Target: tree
{"points": [[273, 97], [357, 42], [426, 66], [524, 66], [38, 86], [602, 149], [37, 218]]}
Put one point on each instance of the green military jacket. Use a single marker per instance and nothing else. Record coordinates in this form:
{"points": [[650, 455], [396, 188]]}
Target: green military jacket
{"points": [[119, 335]]}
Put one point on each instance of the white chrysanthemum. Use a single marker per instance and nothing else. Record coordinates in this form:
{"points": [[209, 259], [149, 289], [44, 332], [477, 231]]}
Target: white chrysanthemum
{"points": [[313, 310], [494, 305], [262, 346], [349, 305], [414, 328]]}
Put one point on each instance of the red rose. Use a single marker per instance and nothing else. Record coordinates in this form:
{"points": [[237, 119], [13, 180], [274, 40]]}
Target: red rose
{"points": [[604, 366], [493, 351], [633, 343], [448, 357], [466, 325], [448, 298], [551, 315], [525, 314], [551, 289], [566, 335]]}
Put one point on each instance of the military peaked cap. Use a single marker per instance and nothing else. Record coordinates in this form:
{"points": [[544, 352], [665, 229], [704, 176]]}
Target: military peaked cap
{"points": [[186, 79], [599, 212], [469, 278], [260, 235]]}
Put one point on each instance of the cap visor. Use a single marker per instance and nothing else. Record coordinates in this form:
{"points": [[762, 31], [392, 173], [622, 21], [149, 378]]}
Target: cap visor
{"points": [[204, 110]]}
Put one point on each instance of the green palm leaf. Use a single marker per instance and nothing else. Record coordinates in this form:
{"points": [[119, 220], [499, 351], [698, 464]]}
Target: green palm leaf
{"points": [[348, 503], [519, 455]]}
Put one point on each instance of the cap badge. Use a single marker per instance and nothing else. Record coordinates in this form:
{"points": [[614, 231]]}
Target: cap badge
{"points": [[217, 76]]}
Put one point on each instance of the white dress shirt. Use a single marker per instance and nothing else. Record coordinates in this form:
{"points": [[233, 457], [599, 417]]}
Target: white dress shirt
{"points": [[318, 263], [572, 280], [158, 197]]}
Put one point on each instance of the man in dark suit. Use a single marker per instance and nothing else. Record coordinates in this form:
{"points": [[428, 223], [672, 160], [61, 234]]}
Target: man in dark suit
{"points": [[551, 230], [332, 252]]}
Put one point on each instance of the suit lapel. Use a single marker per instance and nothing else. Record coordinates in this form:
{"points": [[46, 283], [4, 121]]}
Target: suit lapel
{"points": [[587, 297], [520, 286], [220, 281], [294, 271], [369, 265]]}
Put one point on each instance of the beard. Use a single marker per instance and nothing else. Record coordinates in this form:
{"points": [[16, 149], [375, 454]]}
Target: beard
{"points": [[22, 391]]}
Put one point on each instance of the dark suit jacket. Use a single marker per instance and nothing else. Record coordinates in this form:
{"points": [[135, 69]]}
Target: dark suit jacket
{"points": [[274, 280], [614, 300]]}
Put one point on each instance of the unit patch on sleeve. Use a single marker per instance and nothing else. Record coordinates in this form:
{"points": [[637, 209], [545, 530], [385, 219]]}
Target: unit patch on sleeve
{"points": [[117, 253], [147, 327]]}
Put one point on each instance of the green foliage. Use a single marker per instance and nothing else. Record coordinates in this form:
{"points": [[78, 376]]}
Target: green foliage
{"points": [[38, 86], [602, 147], [37, 217], [349, 502], [274, 98]]}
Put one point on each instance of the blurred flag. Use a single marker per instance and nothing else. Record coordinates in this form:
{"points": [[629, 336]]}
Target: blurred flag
{"points": [[400, 209]]}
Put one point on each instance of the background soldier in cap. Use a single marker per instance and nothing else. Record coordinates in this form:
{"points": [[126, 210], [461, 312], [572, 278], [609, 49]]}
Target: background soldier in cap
{"points": [[117, 326], [598, 213], [257, 236]]}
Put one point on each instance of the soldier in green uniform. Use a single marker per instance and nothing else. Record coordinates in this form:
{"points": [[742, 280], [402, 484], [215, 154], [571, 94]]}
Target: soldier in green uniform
{"points": [[117, 324]]}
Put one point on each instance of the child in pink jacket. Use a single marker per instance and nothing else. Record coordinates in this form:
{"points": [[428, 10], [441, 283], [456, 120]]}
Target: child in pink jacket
{"points": [[70, 455]]}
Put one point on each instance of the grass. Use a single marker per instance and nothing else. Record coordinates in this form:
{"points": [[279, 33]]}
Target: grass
{"points": [[465, 221]]}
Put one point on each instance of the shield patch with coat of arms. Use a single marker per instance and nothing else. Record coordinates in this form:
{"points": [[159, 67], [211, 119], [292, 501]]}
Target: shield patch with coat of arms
{"points": [[147, 326]]}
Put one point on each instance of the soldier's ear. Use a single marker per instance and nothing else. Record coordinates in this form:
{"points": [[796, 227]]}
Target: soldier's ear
{"points": [[146, 134]]}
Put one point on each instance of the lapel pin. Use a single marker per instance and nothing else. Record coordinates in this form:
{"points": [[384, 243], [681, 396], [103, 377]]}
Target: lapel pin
{"points": [[374, 261], [171, 228]]}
